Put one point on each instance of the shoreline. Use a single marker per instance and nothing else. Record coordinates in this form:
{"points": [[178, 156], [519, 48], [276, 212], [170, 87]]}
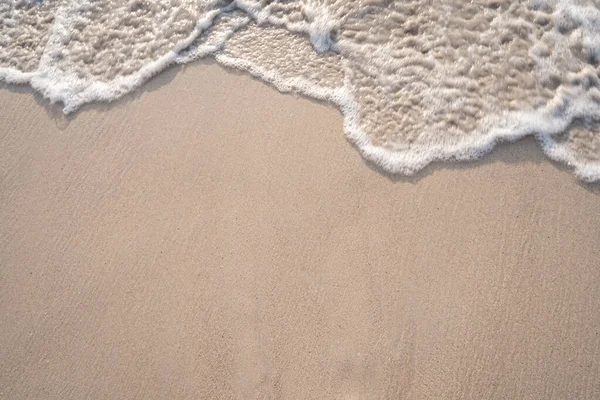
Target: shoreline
{"points": [[369, 154]]}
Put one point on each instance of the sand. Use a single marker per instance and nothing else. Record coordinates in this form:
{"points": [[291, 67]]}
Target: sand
{"points": [[210, 238]]}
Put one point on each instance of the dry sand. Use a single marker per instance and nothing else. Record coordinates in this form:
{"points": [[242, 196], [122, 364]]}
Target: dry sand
{"points": [[211, 238]]}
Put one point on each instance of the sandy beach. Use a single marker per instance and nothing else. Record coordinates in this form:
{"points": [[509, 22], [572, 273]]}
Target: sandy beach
{"points": [[208, 237]]}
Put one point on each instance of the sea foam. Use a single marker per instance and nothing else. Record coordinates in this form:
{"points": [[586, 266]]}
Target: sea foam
{"points": [[416, 81]]}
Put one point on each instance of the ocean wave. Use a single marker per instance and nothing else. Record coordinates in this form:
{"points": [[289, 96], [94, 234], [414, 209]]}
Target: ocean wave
{"points": [[417, 81]]}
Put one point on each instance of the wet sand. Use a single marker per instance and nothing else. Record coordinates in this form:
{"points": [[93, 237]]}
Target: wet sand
{"points": [[209, 237]]}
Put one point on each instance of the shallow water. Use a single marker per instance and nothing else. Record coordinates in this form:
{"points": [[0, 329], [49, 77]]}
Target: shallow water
{"points": [[417, 81]]}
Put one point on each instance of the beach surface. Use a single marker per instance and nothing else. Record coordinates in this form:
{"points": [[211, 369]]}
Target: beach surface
{"points": [[208, 237]]}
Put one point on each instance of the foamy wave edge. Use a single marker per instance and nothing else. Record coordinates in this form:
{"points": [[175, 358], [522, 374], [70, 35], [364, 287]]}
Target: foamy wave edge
{"points": [[517, 125], [543, 123]]}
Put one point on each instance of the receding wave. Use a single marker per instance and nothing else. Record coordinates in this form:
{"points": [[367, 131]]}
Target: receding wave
{"points": [[416, 81]]}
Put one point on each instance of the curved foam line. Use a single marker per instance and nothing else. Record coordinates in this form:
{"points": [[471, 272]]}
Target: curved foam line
{"points": [[543, 123], [74, 92], [516, 125]]}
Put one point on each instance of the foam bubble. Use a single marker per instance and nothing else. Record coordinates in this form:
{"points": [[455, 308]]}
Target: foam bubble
{"points": [[416, 81]]}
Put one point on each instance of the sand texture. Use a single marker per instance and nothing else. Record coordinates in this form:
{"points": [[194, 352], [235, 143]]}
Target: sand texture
{"points": [[210, 238]]}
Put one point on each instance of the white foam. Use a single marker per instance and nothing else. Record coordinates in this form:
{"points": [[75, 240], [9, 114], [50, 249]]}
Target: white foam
{"points": [[391, 62], [73, 92]]}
